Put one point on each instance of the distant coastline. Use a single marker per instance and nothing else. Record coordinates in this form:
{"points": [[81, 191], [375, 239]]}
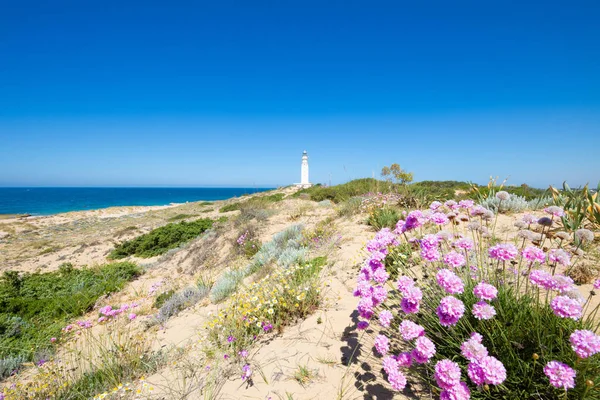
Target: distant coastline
{"points": [[41, 201]]}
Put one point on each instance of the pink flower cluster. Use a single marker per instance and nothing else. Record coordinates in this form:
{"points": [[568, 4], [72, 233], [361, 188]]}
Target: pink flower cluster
{"points": [[447, 376], [503, 252], [454, 259], [534, 254], [424, 350], [485, 291], [482, 310], [566, 307], [450, 311], [449, 281], [585, 343], [409, 330], [482, 369], [373, 276], [559, 256], [561, 375]]}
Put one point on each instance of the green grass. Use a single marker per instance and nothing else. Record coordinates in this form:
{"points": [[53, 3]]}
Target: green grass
{"points": [[35, 307], [256, 201], [179, 217], [346, 190], [384, 218], [162, 239]]}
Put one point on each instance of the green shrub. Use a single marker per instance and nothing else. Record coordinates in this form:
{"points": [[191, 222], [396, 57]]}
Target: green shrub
{"points": [[254, 202], [345, 191], [349, 207], [34, 307], [161, 298], [162, 239], [385, 217], [180, 217]]}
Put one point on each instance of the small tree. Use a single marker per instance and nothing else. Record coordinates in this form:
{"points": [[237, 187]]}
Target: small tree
{"points": [[394, 172]]}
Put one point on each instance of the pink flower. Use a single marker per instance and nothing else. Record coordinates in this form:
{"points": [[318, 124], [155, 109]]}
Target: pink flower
{"points": [[409, 330], [561, 375], [404, 359], [379, 295], [424, 350], [385, 318], [503, 252], [403, 283], [243, 353], [439, 218], [562, 283], [533, 254], [382, 344], [411, 301], [472, 349], [475, 373], [566, 307], [529, 219], [397, 380], [246, 372], [454, 259], [597, 284], [457, 392], [362, 325], [380, 276], [435, 205], [132, 316], [447, 374], [466, 203], [585, 343], [542, 279], [555, 211], [429, 241], [492, 369], [451, 204], [52, 340], [450, 311], [464, 243], [430, 255], [449, 281], [365, 307], [485, 291], [390, 364], [483, 310], [560, 257]]}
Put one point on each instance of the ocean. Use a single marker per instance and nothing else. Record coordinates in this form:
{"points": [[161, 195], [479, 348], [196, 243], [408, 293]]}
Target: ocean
{"points": [[47, 201]]}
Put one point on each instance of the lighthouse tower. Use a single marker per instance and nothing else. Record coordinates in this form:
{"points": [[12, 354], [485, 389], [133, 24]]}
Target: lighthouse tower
{"points": [[304, 182]]}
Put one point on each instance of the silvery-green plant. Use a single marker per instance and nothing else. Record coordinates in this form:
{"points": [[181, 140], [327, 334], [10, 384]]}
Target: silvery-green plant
{"points": [[226, 284], [514, 203], [9, 365]]}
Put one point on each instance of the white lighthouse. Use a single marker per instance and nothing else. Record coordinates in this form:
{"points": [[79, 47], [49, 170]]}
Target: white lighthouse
{"points": [[304, 182]]}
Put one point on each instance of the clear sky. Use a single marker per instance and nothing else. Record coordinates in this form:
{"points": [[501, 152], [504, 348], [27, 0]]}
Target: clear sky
{"points": [[172, 93]]}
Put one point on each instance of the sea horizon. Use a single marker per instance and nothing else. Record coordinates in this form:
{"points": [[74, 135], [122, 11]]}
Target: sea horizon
{"points": [[50, 200]]}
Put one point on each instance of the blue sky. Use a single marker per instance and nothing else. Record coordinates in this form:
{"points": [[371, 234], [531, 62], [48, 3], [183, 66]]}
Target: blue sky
{"points": [[230, 93]]}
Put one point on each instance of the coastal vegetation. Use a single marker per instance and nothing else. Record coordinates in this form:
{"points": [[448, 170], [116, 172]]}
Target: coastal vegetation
{"points": [[479, 316], [269, 276], [253, 202], [161, 240], [34, 307]]}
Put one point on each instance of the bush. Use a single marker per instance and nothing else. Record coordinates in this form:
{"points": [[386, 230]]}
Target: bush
{"points": [[345, 191], [269, 304], [465, 283], [178, 302], [385, 217], [225, 285], [180, 217], [349, 207], [162, 298], [34, 307], [254, 202], [161, 240], [514, 204]]}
